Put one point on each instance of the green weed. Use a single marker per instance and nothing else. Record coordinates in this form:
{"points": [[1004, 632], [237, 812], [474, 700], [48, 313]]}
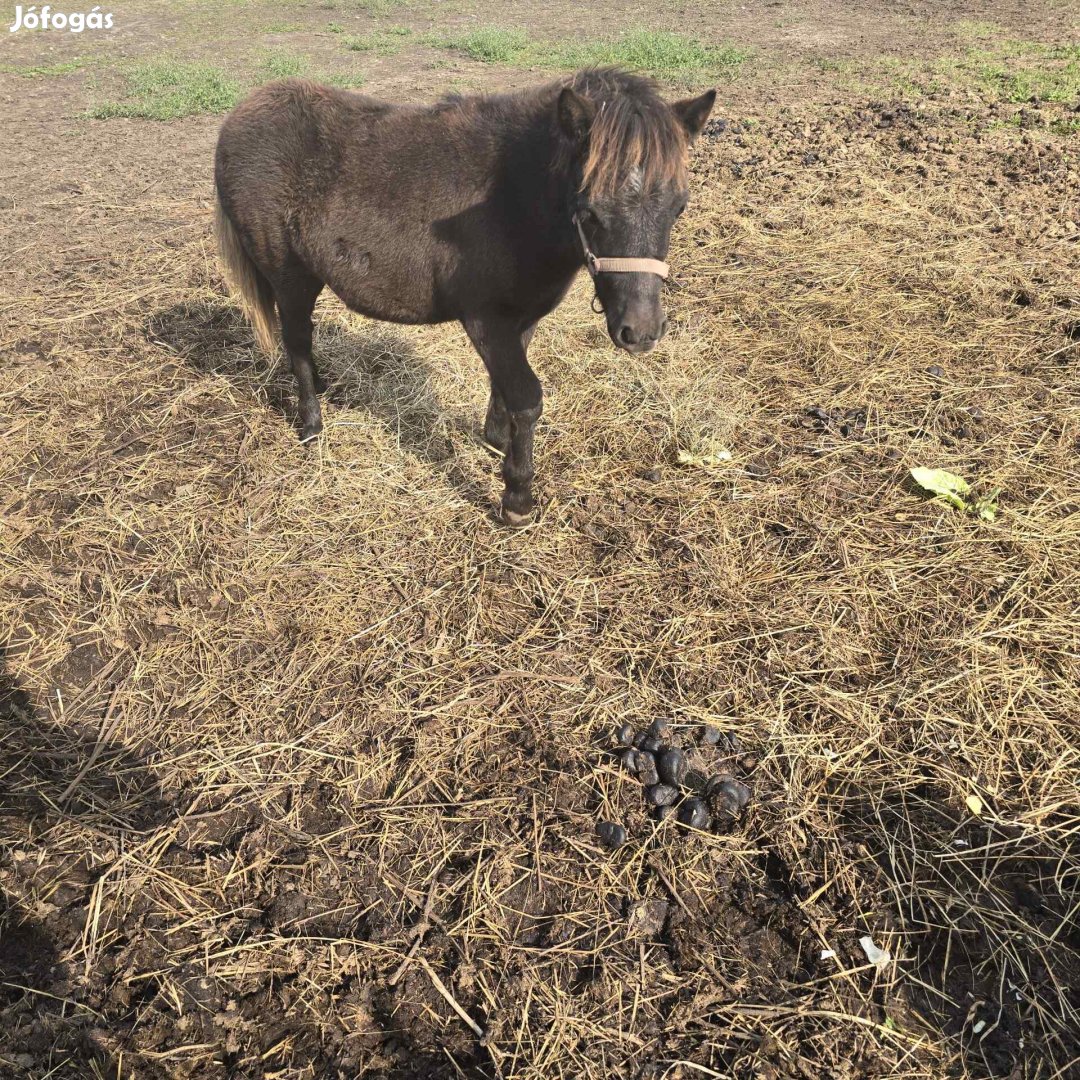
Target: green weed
{"points": [[282, 65], [668, 56], [380, 42], [665, 55], [346, 80], [1059, 83], [169, 89], [376, 7], [491, 44], [41, 71]]}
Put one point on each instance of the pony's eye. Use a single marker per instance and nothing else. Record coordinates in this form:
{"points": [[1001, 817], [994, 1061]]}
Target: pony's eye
{"points": [[587, 217]]}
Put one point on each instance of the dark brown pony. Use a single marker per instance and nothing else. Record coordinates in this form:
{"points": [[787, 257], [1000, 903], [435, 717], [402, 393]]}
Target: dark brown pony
{"points": [[480, 209]]}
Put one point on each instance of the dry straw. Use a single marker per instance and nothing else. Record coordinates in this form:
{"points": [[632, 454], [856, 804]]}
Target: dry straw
{"points": [[335, 687]]}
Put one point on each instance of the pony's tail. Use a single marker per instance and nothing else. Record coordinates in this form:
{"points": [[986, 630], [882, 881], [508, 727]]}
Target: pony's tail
{"points": [[256, 295]]}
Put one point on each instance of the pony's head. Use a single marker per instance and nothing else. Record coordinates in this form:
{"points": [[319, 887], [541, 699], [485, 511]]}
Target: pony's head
{"points": [[627, 152]]}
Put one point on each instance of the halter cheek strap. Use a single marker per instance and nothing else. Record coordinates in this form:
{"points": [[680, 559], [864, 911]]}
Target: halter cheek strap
{"points": [[601, 265]]}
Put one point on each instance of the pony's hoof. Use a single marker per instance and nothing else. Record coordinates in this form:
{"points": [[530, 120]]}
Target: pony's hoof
{"points": [[309, 432], [515, 520]]}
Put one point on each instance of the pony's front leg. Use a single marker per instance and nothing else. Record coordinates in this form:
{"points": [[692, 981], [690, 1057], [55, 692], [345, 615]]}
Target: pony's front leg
{"points": [[497, 423], [502, 345], [517, 500]]}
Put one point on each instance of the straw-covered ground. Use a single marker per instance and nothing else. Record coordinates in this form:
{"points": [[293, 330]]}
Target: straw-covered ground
{"points": [[301, 751]]}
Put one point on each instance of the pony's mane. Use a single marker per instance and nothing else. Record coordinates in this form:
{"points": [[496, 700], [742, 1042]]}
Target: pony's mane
{"points": [[634, 129]]}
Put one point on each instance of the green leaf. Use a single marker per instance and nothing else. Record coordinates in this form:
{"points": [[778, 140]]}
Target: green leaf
{"points": [[945, 485], [952, 489], [986, 507]]}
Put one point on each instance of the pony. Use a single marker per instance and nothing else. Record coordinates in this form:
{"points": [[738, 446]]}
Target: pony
{"points": [[480, 209]]}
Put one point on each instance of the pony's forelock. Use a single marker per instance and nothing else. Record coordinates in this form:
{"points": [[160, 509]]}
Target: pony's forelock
{"points": [[633, 134]]}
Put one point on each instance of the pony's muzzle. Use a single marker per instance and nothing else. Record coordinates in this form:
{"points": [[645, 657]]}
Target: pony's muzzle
{"points": [[637, 330], [632, 339], [634, 308]]}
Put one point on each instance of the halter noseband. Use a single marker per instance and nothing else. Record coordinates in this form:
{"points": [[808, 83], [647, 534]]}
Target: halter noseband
{"points": [[600, 265]]}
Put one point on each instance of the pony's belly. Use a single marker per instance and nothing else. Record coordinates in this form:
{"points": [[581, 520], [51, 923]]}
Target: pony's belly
{"points": [[387, 306], [389, 296]]}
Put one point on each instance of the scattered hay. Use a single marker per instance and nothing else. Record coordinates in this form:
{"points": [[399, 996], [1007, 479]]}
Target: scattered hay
{"points": [[274, 715]]}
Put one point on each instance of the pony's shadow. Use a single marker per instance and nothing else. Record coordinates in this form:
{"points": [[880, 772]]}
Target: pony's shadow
{"points": [[56, 775], [376, 370]]}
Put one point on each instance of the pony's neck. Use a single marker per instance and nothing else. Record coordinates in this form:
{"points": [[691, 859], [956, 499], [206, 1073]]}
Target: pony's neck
{"points": [[551, 185]]}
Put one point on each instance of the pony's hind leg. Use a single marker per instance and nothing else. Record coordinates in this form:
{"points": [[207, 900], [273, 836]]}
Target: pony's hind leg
{"points": [[296, 296]]}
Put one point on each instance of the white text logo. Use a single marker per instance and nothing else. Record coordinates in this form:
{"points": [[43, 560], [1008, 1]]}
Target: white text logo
{"points": [[47, 19]]}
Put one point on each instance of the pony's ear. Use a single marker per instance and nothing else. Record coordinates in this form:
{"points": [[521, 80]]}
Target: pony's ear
{"points": [[693, 112], [576, 113]]}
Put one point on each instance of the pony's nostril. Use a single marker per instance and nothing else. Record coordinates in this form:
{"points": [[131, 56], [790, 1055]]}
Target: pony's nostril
{"points": [[627, 335]]}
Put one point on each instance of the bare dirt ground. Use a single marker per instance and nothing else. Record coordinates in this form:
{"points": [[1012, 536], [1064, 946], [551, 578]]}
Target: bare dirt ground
{"points": [[301, 752]]}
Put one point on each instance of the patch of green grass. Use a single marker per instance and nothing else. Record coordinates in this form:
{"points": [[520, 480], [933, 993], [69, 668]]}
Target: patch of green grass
{"points": [[282, 65], [976, 28], [1058, 83], [375, 7], [1017, 71], [491, 44], [346, 80], [668, 56], [380, 42], [1007, 71], [335, 28], [1057, 125], [42, 71], [910, 78], [827, 64], [282, 28], [169, 89]]}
